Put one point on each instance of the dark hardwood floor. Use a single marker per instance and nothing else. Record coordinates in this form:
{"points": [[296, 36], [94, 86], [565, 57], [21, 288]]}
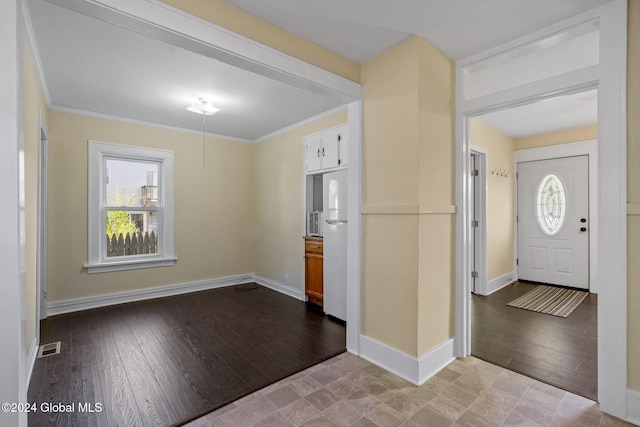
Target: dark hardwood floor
{"points": [[557, 351], [166, 361]]}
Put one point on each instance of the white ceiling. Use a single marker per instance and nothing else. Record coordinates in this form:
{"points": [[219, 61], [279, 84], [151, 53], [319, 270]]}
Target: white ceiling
{"points": [[97, 67], [360, 29]]}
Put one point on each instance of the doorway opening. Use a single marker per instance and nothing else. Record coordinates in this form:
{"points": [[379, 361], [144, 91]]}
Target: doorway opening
{"points": [[531, 240], [604, 70]]}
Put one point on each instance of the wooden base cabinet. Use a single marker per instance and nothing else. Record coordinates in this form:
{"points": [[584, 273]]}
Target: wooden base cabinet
{"points": [[313, 275]]}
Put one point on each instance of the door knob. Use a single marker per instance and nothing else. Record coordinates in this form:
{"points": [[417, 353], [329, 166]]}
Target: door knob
{"points": [[583, 229]]}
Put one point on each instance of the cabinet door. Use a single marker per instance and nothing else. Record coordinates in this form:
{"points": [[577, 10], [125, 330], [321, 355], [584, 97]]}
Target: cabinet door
{"points": [[330, 149], [343, 140], [314, 278], [313, 153]]}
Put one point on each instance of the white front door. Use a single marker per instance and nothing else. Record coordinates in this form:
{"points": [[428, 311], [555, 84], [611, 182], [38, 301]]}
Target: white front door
{"points": [[553, 221]]}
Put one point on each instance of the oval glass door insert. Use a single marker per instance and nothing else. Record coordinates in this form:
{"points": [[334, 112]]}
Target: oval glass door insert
{"points": [[551, 205]]}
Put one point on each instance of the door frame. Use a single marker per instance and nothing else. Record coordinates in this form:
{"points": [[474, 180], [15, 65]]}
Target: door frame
{"points": [[609, 76], [480, 242], [42, 222], [174, 26], [584, 148]]}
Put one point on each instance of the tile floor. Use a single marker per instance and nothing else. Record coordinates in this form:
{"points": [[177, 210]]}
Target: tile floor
{"points": [[349, 391]]}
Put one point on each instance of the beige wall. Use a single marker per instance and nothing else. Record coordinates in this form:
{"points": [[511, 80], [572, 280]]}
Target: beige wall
{"points": [[633, 194], [408, 152], [584, 133], [500, 201], [390, 178], [214, 207], [34, 103], [242, 23], [279, 169]]}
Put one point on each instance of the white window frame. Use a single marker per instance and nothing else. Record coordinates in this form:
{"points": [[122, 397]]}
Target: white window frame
{"points": [[98, 262]]}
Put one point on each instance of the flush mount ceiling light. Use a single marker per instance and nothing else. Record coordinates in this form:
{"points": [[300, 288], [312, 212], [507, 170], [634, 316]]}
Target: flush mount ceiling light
{"points": [[202, 106], [206, 108]]}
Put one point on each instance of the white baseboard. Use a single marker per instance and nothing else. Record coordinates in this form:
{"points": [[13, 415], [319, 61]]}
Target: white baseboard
{"points": [[31, 359], [435, 360], [79, 304], [280, 287], [498, 283], [415, 370], [390, 359], [633, 407]]}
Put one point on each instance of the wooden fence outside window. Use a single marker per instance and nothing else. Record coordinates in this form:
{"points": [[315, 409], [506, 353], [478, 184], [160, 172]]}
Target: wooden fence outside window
{"points": [[137, 244]]}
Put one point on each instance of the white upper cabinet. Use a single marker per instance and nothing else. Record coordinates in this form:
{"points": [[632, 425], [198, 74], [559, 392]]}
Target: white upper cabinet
{"points": [[342, 146], [326, 150], [313, 152]]}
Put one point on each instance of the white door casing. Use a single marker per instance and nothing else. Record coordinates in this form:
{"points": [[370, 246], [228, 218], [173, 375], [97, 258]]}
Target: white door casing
{"points": [[553, 225], [610, 261], [42, 243]]}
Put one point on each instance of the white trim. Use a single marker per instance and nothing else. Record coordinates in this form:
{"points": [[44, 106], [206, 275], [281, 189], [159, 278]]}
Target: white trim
{"points": [[12, 245], [35, 53], [612, 235], [143, 123], [590, 149], [130, 265], [633, 407], [354, 232], [79, 304], [415, 370], [97, 259], [534, 36], [612, 175], [31, 359], [279, 287], [435, 360], [463, 243], [390, 359], [500, 282], [578, 81], [42, 254], [301, 123], [156, 19]]}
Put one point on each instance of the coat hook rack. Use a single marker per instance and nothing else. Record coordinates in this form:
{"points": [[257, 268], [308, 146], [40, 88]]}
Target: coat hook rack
{"points": [[502, 173]]}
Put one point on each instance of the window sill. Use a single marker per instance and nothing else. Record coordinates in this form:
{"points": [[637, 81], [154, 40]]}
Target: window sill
{"points": [[130, 265]]}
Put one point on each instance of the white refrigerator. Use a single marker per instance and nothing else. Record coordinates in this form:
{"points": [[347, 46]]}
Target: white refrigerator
{"points": [[334, 192]]}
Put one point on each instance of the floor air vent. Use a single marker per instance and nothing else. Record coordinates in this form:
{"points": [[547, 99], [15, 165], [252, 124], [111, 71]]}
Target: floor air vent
{"points": [[49, 349]]}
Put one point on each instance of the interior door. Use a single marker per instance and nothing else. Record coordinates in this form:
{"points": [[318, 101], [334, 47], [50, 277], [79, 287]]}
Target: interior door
{"points": [[553, 221], [474, 222]]}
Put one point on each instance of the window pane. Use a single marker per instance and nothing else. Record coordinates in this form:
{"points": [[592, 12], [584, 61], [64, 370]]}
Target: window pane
{"points": [[551, 205], [130, 183], [131, 233]]}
